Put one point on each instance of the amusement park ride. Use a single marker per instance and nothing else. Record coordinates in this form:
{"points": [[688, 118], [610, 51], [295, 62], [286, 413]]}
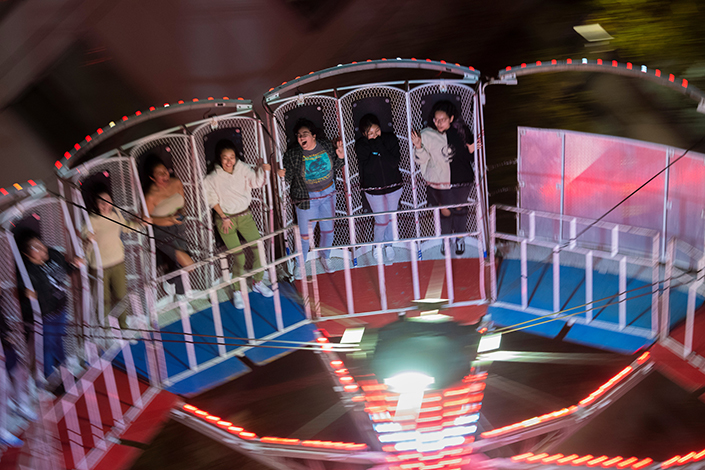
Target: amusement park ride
{"points": [[408, 345]]}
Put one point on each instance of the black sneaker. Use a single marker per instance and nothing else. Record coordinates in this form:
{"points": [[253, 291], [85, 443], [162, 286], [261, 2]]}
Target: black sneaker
{"points": [[459, 246], [443, 247]]}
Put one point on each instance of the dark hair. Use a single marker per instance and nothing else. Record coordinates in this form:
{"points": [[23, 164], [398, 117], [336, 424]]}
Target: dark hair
{"points": [[151, 162], [367, 121], [220, 146], [24, 238], [94, 195], [303, 122], [452, 112]]}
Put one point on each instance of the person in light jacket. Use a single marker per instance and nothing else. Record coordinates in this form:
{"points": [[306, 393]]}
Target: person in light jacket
{"points": [[444, 151], [229, 188]]}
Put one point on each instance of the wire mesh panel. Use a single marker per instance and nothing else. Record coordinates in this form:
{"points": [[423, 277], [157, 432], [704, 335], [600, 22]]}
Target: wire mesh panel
{"points": [[9, 302], [327, 106], [244, 133], [247, 130], [393, 118], [119, 174], [188, 169], [421, 101]]}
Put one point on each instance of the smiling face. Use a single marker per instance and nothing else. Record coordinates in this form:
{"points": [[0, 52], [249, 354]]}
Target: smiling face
{"points": [[105, 204], [442, 121], [228, 159], [306, 139], [373, 132], [160, 176]]}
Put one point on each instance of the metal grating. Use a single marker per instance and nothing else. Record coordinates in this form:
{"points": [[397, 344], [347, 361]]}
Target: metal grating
{"points": [[186, 168]]}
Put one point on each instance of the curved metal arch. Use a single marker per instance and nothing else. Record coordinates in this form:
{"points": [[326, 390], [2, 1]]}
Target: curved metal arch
{"points": [[510, 73], [468, 73], [113, 128]]}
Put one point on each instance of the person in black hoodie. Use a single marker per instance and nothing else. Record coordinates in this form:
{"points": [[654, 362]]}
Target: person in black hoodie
{"points": [[48, 272], [378, 157]]}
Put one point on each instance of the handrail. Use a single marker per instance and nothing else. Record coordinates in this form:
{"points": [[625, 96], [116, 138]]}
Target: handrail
{"points": [[440, 66], [102, 134], [581, 220]]}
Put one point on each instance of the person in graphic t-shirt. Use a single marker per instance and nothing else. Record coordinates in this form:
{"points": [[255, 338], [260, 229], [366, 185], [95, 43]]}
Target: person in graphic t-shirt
{"points": [[310, 170]]}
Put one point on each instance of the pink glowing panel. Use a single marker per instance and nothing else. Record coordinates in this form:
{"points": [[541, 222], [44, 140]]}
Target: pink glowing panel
{"points": [[539, 170], [600, 171], [686, 196]]}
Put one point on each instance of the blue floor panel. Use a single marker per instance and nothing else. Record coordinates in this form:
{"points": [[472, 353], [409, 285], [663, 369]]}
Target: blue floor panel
{"points": [[234, 326], [572, 294], [263, 355]]}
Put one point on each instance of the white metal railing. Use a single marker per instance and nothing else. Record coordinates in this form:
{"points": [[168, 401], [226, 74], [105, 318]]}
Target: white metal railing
{"points": [[415, 249], [588, 253], [225, 282], [679, 253]]}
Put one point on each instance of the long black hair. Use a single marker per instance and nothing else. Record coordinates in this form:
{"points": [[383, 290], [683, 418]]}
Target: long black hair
{"points": [[151, 162], [458, 124], [220, 147], [94, 195]]}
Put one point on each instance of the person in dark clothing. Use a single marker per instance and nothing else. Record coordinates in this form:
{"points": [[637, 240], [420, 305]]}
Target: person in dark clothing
{"points": [[444, 151], [378, 157], [48, 271]]}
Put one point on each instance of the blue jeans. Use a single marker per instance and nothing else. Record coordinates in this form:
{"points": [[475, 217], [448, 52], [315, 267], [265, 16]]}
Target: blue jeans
{"points": [[54, 332], [384, 232], [322, 206]]}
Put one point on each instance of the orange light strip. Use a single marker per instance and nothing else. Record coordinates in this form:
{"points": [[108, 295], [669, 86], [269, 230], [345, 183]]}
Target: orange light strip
{"points": [[240, 432], [606, 386]]}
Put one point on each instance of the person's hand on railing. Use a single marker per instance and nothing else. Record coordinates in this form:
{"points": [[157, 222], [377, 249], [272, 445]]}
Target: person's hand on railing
{"points": [[266, 167], [281, 172]]}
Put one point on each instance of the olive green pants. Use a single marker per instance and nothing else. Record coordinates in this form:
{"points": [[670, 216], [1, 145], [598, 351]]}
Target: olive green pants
{"points": [[115, 287], [245, 225]]}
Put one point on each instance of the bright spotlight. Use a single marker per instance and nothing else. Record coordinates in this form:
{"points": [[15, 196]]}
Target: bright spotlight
{"points": [[409, 382]]}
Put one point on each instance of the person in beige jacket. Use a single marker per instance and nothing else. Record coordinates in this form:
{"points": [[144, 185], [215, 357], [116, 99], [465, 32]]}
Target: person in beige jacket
{"points": [[108, 225]]}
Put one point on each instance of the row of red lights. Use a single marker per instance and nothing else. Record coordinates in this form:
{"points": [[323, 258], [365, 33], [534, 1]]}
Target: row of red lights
{"points": [[629, 66], [370, 60], [379, 401], [586, 460], [17, 187], [566, 411], [88, 138], [250, 436]]}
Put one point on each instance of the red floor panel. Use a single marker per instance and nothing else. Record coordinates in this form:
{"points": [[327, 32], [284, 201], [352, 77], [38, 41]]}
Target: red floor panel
{"points": [[698, 332], [676, 369], [400, 293]]}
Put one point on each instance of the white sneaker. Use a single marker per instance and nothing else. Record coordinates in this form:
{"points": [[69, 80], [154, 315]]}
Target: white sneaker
{"points": [[262, 288], [325, 262], [389, 251], [8, 439], [374, 252], [237, 300]]}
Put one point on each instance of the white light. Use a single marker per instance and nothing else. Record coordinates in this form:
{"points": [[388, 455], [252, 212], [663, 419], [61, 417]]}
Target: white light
{"points": [[593, 32], [499, 356], [489, 342], [409, 382], [399, 436], [388, 427], [460, 420], [643, 68], [112, 124], [352, 335], [584, 60], [440, 445]]}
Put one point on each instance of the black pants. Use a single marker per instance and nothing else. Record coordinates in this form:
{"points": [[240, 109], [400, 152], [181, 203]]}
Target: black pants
{"points": [[455, 222]]}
